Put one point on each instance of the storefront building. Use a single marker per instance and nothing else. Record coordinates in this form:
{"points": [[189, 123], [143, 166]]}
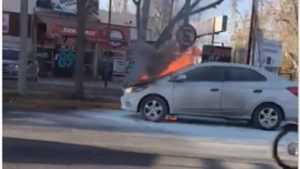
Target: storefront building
{"points": [[52, 40], [54, 44]]}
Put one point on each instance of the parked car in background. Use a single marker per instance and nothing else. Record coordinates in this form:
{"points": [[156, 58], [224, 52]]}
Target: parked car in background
{"points": [[11, 66], [222, 90], [10, 63]]}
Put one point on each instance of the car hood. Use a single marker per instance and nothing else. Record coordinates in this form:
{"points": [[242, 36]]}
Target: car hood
{"points": [[153, 81]]}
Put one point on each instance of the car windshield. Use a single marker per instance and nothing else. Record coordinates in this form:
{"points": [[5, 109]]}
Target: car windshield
{"points": [[10, 55]]}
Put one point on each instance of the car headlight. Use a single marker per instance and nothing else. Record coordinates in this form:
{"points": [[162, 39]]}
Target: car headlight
{"points": [[128, 90], [16, 66], [134, 89]]}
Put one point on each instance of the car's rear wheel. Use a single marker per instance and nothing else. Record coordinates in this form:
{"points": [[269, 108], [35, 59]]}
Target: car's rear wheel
{"points": [[154, 108], [267, 116]]}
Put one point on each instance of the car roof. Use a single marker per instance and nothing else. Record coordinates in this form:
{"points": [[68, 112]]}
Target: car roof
{"points": [[222, 64], [269, 75], [227, 64]]}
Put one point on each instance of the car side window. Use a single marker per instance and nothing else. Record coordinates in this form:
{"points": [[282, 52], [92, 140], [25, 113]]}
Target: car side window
{"points": [[208, 73], [243, 75]]}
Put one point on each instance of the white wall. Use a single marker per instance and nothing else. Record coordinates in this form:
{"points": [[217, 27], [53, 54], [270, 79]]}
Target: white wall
{"points": [[124, 19], [15, 5]]}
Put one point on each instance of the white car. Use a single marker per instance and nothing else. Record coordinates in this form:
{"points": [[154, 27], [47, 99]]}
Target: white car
{"points": [[223, 90], [10, 64]]}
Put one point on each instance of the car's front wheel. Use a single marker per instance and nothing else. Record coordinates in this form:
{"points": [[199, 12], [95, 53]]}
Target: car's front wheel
{"points": [[154, 108], [267, 116]]}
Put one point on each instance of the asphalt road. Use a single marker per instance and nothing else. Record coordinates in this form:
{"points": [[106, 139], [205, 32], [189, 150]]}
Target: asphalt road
{"points": [[37, 138], [24, 153]]}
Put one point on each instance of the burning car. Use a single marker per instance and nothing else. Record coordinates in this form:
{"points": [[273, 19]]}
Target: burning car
{"points": [[223, 90]]}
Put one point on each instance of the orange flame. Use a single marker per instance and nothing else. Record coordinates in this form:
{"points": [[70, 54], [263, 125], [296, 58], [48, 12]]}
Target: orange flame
{"points": [[184, 60], [144, 77]]}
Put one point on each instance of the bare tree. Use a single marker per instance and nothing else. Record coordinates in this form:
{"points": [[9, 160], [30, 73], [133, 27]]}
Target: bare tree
{"points": [[279, 21], [144, 19], [193, 9], [138, 16], [240, 32], [151, 60], [142, 14], [287, 22], [162, 14]]}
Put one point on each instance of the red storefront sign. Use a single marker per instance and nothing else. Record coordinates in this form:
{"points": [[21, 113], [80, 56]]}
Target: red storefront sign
{"points": [[120, 36], [54, 31]]}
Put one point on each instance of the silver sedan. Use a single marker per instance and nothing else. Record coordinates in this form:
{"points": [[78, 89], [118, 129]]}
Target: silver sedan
{"points": [[221, 90]]}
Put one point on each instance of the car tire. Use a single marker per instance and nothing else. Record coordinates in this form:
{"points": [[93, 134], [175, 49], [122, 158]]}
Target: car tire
{"points": [[267, 116], [154, 108]]}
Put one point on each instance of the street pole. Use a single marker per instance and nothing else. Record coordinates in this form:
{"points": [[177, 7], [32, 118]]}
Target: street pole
{"points": [[213, 31], [187, 11], [108, 43], [23, 46]]}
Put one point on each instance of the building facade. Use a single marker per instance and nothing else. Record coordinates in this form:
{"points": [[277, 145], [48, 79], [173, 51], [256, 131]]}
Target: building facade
{"points": [[52, 39]]}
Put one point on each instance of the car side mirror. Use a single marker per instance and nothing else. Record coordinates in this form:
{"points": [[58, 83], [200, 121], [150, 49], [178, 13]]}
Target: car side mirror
{"points": [[179, 78]]}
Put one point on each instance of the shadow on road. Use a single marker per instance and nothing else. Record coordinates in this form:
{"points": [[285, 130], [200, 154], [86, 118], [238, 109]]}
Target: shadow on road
{"points": [[44, 152], [203, 121]]}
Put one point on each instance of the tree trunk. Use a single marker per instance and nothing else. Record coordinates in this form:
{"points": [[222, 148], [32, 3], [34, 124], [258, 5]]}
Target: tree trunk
{"points": [[167, 32], [21, 89], [80, 48], [144, 19]]}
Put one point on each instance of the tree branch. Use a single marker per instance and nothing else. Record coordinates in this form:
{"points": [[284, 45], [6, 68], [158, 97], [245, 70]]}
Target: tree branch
{"points": [[195, 4], [136, 2], [212, 5]]}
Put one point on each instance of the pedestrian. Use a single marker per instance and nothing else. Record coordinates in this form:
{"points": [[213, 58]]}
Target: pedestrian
{"points": [[107, 60], [33, 70]]}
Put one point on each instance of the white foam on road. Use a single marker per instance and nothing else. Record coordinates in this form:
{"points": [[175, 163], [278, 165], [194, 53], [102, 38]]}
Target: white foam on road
{"points": [[221, 133], [116, 120]]}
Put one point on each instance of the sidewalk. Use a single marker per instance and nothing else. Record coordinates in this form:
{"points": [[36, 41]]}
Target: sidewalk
{"points": [[57, 92], [115, 84]]}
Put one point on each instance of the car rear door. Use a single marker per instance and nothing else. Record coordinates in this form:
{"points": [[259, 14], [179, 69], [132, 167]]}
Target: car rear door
{"points": [[242, 88], [200, 93]]}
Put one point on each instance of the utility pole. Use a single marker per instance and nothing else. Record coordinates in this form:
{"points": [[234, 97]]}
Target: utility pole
{"points": [[213, 32], [251, 41], [23, 45]]}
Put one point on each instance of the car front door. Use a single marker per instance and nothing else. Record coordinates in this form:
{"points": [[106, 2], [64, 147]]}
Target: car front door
{"points": [[243, 87], [200, 92]]}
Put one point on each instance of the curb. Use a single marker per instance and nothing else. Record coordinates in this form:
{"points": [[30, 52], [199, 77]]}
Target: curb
{"points": [[59, 103]]}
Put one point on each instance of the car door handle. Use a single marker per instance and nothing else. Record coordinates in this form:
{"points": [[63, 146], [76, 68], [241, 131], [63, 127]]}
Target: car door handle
{"points": [[257, 91], [214, 90]]}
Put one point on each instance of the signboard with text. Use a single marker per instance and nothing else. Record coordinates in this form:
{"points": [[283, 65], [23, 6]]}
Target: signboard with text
{"points": [[269, 54], [215, 25], [68, 6], [186, 35], [216, 54], [54, 30]]}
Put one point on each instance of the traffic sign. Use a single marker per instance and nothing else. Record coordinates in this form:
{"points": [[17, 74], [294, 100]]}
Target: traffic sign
{"points": [[186, 35]]}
